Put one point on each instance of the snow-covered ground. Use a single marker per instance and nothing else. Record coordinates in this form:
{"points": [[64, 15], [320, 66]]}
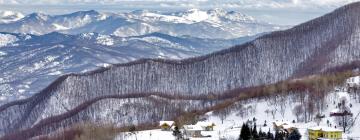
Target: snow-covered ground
{"points": [[229, 127]]}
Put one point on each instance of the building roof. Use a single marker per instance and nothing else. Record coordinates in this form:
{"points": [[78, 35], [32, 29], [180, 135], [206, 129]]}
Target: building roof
{"points": [[204, 124], [288, 126], [281, 123], [325, 129], [193, 127], [170, 123], [355, 80]]}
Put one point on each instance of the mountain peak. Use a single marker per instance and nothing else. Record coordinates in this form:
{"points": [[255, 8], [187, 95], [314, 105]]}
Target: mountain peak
{"points": [[10, 16], [195, 15], [89, 12], [37, 16], [9, 13], [217, 11], [142, 12]]}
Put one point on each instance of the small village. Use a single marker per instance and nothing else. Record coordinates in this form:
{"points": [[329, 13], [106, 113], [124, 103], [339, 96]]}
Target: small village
{"points": [[285, 129], [277, 130]]}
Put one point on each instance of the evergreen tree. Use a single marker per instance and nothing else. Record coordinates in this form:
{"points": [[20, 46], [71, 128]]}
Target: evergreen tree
{"points": [[242, 132], [295, 135], [270, 136], [262, 135], [279, 136], [254, 132], [177, 133], [245, 133], [265, 123]]}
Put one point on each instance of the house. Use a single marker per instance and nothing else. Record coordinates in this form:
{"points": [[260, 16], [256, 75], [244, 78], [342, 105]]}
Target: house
{"points": [[192, 131], [278, 126], [319, 132], [353, 82], [285, 127], [166, 125], [289, 128], [206, 126]]}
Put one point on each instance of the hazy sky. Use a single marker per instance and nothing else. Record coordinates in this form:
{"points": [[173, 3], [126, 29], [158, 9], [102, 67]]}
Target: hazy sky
{"points": [[274, 11]]}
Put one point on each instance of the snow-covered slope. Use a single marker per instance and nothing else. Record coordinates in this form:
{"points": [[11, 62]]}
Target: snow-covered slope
{"points": [[28, 63], [7, 39], [214, 23], [280, 109]]}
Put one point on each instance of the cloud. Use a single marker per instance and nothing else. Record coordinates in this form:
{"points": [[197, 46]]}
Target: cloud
{"points": [[312, 4], [257, 4]]}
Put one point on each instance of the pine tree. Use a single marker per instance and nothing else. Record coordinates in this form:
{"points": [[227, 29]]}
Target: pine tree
{"points": [[245, 133], [261, 134], [270, 135], [279, 136], [295, 135], [242, 132], [177, 133], [265, 123], [254, 132]]}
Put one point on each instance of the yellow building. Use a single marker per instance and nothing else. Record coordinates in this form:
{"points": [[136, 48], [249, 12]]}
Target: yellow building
{"points": [[324, 133], [166, 125]]}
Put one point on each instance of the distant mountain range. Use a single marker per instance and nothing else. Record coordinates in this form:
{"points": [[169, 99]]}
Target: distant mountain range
{"points": [[215, 23], [28, 63], [37, 48]]}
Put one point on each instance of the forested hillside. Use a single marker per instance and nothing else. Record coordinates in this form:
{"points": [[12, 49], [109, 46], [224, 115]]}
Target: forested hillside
{"points": [[313, 47]]}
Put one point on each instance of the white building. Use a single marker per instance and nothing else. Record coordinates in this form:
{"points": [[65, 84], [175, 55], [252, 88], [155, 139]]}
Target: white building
{"points": [[206, 126], [353, 81], [192, 131]]}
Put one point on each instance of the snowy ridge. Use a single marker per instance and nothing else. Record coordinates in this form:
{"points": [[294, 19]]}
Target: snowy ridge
{"points": [[215, 23], [37, 60]]}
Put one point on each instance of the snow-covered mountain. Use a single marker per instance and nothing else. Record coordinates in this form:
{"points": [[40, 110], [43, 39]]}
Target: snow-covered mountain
{"points": [[28, 63], [10, 16], [216, 23], [149, 90]]}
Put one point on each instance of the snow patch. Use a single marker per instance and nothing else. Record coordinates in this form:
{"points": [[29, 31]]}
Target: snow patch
{"points": [[196, 15], [105, 65], [59, 27], [86, 35], [105, 40], [3, 98], [21, 90], [6, 39], [55, 73], [3, 53]]}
